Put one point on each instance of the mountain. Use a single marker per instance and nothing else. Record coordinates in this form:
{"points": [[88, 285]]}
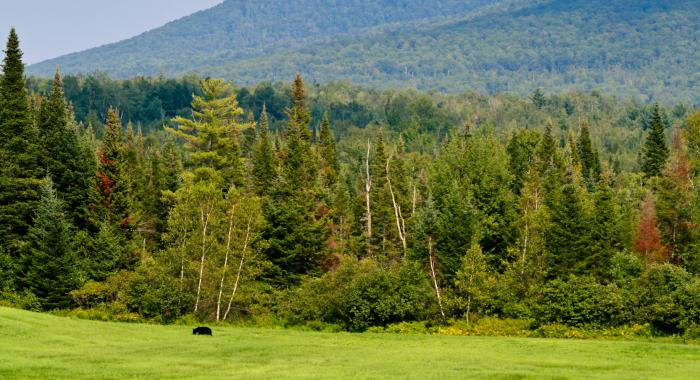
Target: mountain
{"points": [[237, 29], [646, 49]]}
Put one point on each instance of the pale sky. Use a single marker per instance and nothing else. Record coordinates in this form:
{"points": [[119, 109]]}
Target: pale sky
{"points": [[50, 28]]}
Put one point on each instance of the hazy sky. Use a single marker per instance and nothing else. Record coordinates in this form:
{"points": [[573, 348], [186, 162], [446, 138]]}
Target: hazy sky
{"points": [[49, 28]]}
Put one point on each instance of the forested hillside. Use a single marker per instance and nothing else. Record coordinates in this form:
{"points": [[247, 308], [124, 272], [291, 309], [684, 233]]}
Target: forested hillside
{"points": [[642, 49], [238, 29], [348, 208]]}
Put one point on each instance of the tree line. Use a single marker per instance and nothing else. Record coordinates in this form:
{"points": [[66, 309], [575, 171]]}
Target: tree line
{"points": [[220, 216]]}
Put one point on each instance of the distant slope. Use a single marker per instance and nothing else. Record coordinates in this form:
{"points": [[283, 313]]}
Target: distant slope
{"points": [[647, 49], [237, 29], [642, 48]]}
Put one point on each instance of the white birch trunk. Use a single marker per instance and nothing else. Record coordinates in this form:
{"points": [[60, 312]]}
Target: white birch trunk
{"points": [[223, 273], [432, 274], [240, 269], [205, 222], [368, 187]]}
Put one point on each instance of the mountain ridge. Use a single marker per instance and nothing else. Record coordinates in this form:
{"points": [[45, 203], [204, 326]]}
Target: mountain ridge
{"points": [[641, 49]]}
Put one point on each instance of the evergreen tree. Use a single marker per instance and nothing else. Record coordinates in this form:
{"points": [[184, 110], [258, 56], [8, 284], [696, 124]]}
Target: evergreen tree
{"points": [[114, 184], [264, 165], [326, 149], [647, 242], [588, 156], [20, 172], [655, 152], [296, 231], [606, 236], [212, 135], [538, 99], [49, 269], [300, 166], [71, 167], [568, 236]]}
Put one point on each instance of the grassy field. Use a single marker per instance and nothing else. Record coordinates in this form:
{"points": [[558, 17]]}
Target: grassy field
{"points": [[36, 345]]}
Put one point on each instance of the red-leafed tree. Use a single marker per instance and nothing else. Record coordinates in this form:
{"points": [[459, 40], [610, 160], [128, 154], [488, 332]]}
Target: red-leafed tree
{"points": [[647, 242], [674, 200]]}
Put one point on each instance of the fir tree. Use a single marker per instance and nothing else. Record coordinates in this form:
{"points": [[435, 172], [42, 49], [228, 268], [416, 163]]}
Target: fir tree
{"points": [[326, 150], [655, 152], [49, 264], [114, 184], [71, 169], [568, 237], [300, 166], [590, 166], [20, 172], [538, 99], [264, 165], [606, 237]]}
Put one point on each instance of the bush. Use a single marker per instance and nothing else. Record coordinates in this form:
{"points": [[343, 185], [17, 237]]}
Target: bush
{"points": [[581, 301], [361, 294], [153, 294], [659, 290]]}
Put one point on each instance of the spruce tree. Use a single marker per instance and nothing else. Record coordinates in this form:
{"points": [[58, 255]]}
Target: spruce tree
{"points": [[49, 269], [300, 166], [71, 169], [655, 152], [590, 166], [114, 184], [568, 236], [296, 229], [326, 150], [264, 165], [20, 172], [606, 235]]}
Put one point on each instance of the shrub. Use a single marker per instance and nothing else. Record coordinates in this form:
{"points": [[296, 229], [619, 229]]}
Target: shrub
{"points": [[581, 301], [657, 297], [361, 294]]}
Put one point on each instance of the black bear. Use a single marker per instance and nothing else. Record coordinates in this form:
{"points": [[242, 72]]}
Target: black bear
{"points": [[201, 331]]}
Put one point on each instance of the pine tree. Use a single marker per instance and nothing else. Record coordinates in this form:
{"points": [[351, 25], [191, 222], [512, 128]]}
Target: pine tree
{"points": [[20, 172], [655, 152], [212, 135], [264, 165], [49, 269]]}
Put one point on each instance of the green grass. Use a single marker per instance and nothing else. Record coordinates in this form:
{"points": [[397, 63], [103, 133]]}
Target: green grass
{"points": [[36, 345]]}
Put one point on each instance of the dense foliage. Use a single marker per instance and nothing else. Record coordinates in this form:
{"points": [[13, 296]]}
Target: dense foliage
{"points": [[340, 205], [643, 49]]}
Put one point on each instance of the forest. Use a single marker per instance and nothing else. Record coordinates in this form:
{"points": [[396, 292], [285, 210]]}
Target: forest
{"points": [[640, 49], [334, 206]]}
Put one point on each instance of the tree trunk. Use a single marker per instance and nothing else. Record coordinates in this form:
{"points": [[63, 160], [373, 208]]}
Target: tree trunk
{"points": [[432, 274], [205, 222], [368, 187], [240, 268], [400, 224], [223, 273]]}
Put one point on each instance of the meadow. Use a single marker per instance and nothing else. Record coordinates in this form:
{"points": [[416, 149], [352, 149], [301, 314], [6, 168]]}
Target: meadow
{"points": [[34, 345]]}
